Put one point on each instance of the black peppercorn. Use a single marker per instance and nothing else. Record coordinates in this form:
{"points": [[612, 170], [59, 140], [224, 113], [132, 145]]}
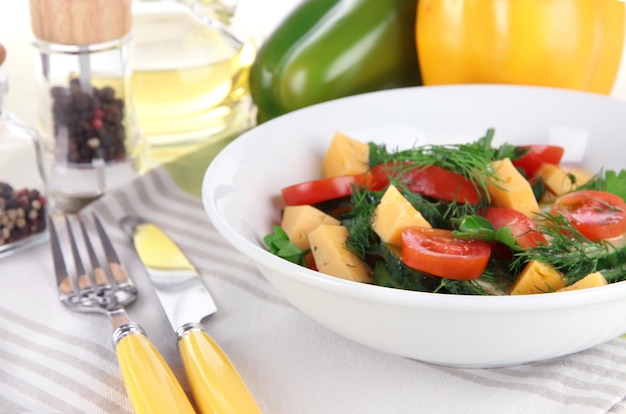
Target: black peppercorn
{"points": [[92, 123], [22, 213]]}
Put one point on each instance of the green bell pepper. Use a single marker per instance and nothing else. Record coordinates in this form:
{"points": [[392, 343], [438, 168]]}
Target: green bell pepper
{"points": [[327, 49]]}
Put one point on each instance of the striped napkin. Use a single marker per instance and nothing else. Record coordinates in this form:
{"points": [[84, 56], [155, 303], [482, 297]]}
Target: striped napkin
{"points": [[55, 361]]}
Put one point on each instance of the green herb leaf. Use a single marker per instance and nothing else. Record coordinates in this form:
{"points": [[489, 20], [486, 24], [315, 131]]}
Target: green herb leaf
{"points": [[513, 152], [616, 183], [479, 228], [475, 228], [610, 181], [278, 243], [505, 236]]}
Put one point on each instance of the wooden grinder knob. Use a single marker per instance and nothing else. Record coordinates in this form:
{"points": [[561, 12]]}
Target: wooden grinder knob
{"points": [[80, 22], [3, 54]]}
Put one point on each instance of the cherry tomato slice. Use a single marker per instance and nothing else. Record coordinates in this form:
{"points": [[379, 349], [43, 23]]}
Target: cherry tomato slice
{"points": [[431, 181], [536, 156], [597, 215], [523, 228], [324, 189], [437, 252]]}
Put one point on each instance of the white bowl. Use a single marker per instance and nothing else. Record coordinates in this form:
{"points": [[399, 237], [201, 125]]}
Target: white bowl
{"points": [[241, 194]]}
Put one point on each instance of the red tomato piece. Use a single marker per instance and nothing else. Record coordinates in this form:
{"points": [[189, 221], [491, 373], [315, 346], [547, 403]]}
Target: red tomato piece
{"points": [[597, 215], [538, 155], [437, 252], [523, 228], [309, 261], [324, 189], [431, 181]]}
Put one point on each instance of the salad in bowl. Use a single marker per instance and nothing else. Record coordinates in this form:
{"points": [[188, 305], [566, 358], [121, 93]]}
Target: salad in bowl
{"points": [[471, 218], [378, 278]]}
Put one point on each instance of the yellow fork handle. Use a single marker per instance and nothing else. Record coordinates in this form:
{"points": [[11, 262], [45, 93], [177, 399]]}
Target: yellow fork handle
{"points": [[215, 384], [150, 384]]}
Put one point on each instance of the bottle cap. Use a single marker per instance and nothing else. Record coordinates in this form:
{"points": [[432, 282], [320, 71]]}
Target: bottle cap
{"points": [[80, 22]]}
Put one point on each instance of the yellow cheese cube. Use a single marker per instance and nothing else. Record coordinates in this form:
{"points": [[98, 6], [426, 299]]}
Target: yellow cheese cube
{"points": [[589, 281], [345, 156], [299, 221], [510, 189], [561, 179], [331, 256], [393, 214], [538, 277]]}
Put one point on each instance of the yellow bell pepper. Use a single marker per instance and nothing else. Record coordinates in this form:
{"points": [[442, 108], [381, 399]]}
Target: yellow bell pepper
{"points": [[574, 44]]}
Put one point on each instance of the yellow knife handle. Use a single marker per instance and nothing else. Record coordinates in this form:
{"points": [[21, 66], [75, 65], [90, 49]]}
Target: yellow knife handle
{"points": [[215, 384], [150, 383]]}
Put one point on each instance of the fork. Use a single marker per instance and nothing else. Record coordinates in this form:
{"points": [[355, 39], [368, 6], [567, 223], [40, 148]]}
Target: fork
{"points": [[150, 384]]}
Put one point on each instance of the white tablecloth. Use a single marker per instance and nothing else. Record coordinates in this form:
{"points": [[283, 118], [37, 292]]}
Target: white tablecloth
{"points": [[55, 361]]}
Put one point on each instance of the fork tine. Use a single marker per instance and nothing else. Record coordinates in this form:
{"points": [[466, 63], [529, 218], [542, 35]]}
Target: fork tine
{"points": [[100, 277], [84, 281], [65, 284], [118, 273]]}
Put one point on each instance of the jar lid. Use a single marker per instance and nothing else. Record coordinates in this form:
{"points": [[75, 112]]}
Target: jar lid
{"points": [[80, 22]]}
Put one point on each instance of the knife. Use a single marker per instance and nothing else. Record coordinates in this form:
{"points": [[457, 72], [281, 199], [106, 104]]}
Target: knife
{"points": [[215, 383]]}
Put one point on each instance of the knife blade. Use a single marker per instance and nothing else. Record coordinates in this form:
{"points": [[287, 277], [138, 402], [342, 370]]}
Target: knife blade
{"points": [[215, 383]]}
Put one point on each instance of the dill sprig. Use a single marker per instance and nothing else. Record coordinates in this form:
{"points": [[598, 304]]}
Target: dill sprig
{"points": [[567, 250], [471, 160], [495, 280], [359, 219], [390, 271], [439, 214], [362, 239]]}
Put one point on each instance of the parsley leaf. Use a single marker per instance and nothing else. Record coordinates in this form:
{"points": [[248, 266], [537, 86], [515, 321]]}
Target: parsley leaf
{"points": [[616, 183], [609, 181], [479, 228], [278, 243]]}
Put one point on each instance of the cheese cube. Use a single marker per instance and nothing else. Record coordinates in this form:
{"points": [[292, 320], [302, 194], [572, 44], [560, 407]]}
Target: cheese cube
{"points": [[393, 214], [558, 179], [538, 277], [345, 156], [299, 221], [331, 256], [589, 281], [511, 189]]}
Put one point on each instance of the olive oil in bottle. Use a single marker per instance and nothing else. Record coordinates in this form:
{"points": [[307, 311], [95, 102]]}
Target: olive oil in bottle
{"points": [[189, 79]]}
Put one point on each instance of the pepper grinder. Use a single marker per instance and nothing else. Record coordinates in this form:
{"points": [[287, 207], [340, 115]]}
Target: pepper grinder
{"points": [[86, 110], [23, 196]]}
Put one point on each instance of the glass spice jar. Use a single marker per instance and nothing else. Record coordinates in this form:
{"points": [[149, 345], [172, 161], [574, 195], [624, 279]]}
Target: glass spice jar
{"points": [[23, 197], [86, 109]]}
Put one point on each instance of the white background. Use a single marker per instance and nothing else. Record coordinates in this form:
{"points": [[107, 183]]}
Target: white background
{"points": [[258, 17]]}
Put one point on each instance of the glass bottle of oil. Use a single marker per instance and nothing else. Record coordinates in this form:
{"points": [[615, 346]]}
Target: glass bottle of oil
{"points": [[189, 76]]}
